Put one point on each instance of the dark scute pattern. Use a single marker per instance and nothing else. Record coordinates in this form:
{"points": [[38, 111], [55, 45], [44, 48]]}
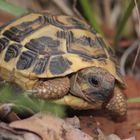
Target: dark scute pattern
{"points": [[61, 34], [110, 50], [19, 32], [101, 42], [12, 52], [58, 65], [39, 44], [40, 65], [118, 70], [70, 37], [87, 57], [26, 60], [101, 56], [52, 20], [74, 23], [50, 42], [17, 35], [3, 43], [9, 34], [35, 46], [112, 55], [84, 56], [77, 23], [92, 30], [86, 41]]}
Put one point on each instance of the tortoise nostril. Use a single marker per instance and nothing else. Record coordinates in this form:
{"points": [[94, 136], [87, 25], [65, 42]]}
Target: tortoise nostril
{"points": [[93, 81]]}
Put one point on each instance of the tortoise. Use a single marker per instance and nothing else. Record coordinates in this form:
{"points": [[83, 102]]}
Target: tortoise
{"points": [[62, 59]]}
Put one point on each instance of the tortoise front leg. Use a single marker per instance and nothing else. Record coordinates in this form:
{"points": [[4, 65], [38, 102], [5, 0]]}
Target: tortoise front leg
{"points": [[51, 89], [117, 106]]}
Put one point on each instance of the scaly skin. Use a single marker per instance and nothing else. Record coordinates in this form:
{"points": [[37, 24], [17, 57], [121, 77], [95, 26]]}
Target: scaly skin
{"points": [[52, 89], [117, 106]]}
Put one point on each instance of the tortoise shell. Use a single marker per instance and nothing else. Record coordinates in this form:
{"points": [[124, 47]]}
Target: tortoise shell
{"points": [[39, 45]]}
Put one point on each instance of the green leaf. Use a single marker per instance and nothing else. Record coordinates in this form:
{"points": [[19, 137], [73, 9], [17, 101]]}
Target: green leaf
{"points": [[134, 100], [23, 103], [12, 9], [123, 22], [90, 14]]}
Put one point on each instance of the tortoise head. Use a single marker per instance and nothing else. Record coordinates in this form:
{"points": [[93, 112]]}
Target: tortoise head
{"points": [[93, 84]]}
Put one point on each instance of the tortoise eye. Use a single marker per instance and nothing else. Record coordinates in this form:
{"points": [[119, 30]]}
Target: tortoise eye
{"points": [[93, 81]]}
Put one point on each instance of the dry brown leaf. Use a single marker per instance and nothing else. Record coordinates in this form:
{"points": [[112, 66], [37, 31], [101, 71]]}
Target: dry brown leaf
{"points": [[47, 126], [7, 133], [73, 121], [131, 138], [30, 136], [113, 137], [101, 135]]}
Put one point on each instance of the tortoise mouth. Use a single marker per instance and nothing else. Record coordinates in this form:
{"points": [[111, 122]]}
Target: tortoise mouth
{"points": [[98, 94], [97, 97]]}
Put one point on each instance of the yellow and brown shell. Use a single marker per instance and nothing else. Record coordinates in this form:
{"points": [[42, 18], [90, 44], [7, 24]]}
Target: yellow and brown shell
{"points": [[40, 45]]}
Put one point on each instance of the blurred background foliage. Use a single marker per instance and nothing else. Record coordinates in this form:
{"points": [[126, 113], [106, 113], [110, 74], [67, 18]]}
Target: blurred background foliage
{"points": [[117, 20], [115, 15]]}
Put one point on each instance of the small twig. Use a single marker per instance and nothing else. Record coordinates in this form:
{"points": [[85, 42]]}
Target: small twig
{"points": [[126, 54], [138, 50], [115, 15], [136, 57], [107, 12], [77, 13]]}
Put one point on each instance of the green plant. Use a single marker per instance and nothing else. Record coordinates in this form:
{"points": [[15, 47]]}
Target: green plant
{"points": [[134, 100], [23, 102], [123, 22], [89, 13]]}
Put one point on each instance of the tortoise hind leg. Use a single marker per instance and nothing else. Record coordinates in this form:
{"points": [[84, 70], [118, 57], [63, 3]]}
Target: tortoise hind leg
{"points": [[51, 89]]}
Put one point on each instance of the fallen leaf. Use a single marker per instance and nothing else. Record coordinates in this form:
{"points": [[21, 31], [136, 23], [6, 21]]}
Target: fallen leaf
{"points": [[50, 127], [73, 121]]}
